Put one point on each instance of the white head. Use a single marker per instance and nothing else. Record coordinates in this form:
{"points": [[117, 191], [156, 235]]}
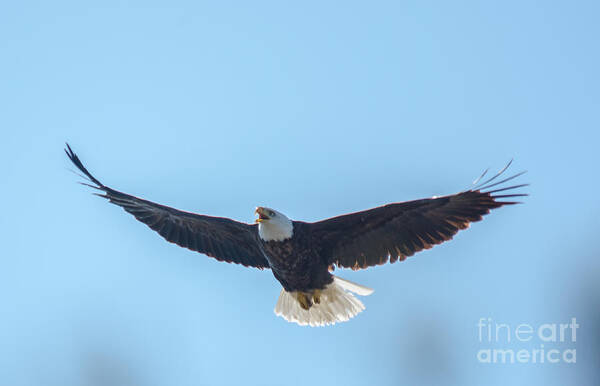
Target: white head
{"points": [[273, 225]]}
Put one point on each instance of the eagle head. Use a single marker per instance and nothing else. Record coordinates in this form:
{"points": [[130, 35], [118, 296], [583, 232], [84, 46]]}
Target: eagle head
{"points": [[273, 225]]}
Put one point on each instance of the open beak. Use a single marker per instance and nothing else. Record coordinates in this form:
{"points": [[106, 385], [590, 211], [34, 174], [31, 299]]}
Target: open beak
{"points": [[262, 215]]}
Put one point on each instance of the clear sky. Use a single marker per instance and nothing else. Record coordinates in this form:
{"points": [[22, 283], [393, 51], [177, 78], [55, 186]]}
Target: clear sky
{"points": [[315, 109]]}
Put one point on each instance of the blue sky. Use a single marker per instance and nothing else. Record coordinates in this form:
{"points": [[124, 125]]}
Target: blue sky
{"points": [[316, 110]]}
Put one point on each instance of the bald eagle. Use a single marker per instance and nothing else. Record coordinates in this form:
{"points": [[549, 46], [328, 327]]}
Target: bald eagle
{"points": [[302, 255]]}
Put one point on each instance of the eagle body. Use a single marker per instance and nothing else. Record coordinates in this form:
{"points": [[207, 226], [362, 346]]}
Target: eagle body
{"points": [[296, 263], [301, 254]]}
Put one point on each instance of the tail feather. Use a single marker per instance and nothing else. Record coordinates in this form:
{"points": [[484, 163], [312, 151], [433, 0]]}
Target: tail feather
{"points": [[353, 287], [336, 305]]}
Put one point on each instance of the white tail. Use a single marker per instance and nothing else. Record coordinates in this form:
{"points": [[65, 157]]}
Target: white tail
{"points": [[336, 304]]}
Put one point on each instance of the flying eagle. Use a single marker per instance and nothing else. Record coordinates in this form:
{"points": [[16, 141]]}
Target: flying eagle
{"points": [[302, 255]]}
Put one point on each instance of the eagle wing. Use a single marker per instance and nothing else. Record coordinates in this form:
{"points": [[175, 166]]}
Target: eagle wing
{"points": [[395, 231], [218, 237]]}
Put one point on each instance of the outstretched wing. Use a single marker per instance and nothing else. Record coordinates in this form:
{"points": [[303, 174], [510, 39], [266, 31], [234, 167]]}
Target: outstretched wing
{"points": [[395, 231], [218, 237]]}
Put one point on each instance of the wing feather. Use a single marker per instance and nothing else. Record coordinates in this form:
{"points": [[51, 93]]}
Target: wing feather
{"points": [[218, 237], [396, 231]]}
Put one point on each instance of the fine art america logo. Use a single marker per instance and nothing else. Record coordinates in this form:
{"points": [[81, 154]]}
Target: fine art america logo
{"points": [[526, 343]]}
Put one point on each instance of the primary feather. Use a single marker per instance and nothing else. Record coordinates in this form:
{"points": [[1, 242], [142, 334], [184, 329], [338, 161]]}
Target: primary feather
{"points": [[218, 237]]}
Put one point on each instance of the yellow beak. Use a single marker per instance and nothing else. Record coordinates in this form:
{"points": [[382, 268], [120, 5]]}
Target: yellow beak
{"points": [[260, 211]]}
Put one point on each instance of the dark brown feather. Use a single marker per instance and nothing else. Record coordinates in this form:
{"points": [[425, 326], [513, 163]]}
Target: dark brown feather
{"points": [[396, 231], [218, 237]]}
